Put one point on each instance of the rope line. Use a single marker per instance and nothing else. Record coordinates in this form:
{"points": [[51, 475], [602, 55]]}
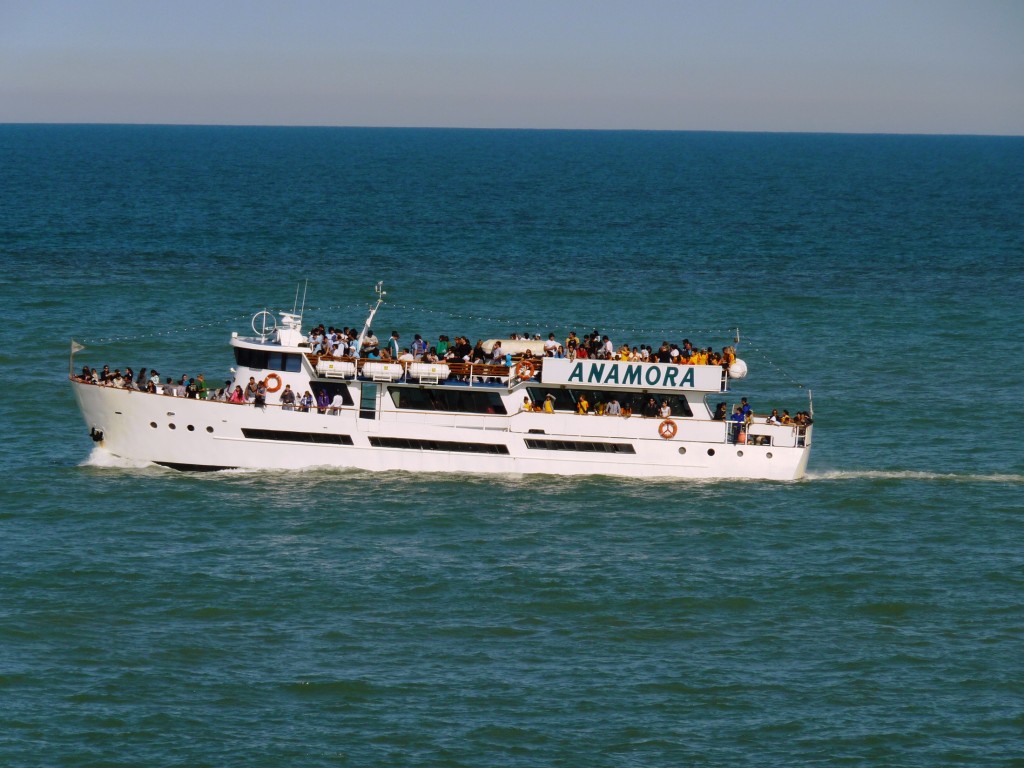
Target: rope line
{"points": [[768, 362]]}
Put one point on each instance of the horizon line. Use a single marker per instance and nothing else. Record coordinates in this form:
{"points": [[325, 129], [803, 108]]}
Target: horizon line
{"points": [[504, 128]]}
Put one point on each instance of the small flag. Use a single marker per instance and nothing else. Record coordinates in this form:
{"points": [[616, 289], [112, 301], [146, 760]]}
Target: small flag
{"points": [[76, 347]]}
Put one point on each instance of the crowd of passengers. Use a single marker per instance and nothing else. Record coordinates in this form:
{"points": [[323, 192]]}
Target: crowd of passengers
{"points": [[149, 381], [742, 416], [255, 392], [342, 342]]}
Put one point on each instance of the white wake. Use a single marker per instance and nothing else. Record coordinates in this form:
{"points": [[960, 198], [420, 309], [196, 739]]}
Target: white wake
{"points": [[871, 474]]}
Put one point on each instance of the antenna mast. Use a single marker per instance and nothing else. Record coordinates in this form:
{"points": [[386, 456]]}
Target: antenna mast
{"points": [[381, 293]]}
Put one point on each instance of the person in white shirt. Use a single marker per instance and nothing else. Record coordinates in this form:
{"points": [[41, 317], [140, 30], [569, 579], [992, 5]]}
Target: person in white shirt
{"points": [[371, 344], [551, 345]]}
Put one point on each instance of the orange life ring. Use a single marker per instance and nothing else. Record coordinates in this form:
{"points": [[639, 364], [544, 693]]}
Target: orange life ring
{"points": [[276, 385], [667, 429], [525, 369]]}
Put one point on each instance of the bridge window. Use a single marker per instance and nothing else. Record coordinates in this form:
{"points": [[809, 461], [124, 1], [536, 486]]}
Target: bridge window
{"points": [[267, 360]]}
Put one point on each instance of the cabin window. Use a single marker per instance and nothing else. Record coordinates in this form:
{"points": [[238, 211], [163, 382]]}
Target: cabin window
{"points": [[320, 438], [449, 400], [565, 399], [582, 446], [333, 388], [412, 444]]}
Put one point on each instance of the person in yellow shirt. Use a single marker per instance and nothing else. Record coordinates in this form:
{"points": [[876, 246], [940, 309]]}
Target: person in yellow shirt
{"points": [[582, 406], [549, 404]]}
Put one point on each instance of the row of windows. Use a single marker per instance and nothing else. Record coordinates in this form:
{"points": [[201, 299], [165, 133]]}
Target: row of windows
{"points": [[578, 445], [537, 444], [434, 445], [262, 359], [296, 437], [437, 445], [565, 399]]}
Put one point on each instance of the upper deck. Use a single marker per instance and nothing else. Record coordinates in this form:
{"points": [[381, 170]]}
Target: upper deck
{"points": [[606, 374]]}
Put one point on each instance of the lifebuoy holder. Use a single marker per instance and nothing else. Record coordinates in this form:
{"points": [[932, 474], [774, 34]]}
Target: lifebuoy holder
{"points": [[667, 429], [276, 385], [525, 369]]}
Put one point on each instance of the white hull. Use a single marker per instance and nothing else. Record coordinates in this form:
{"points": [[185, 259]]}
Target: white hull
{"points": [[209, 435]]}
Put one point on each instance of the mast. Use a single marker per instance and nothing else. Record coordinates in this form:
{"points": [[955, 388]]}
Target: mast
{"points": [[75, 347], [381, 293]]}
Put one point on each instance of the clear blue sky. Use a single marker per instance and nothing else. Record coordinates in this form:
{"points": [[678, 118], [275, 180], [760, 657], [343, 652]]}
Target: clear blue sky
{"points": [[899, 66]]}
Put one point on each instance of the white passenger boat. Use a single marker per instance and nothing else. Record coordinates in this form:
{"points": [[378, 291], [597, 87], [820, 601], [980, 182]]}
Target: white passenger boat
{"points": [[447, 417]]}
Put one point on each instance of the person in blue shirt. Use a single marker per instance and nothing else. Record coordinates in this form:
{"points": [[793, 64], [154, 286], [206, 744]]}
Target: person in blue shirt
{"points": [[419, 347], [737, 420]]}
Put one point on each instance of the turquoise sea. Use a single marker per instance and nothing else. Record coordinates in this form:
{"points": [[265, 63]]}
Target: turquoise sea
{"points": [[871, 614]]}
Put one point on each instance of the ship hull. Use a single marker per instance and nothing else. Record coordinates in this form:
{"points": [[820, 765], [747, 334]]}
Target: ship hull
{"points": [[191, 434]]}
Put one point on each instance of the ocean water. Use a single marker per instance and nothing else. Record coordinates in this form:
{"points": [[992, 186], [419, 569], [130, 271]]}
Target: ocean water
{"points": [[871, 614]]}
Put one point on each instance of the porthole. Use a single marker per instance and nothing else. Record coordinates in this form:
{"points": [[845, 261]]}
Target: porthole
{"points": [[711, 451], [190, 428], [682, 450], [210, 430], [769, 455], [739, 453], [152, 424], [172, 426]]}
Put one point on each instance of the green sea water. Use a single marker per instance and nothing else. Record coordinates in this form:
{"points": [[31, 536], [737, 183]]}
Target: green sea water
{"points": [[870, 614]]}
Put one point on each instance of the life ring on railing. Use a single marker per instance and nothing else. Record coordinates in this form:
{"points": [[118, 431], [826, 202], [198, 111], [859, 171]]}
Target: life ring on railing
{"points": [[276, 382], [667, 429], [525, 369]]}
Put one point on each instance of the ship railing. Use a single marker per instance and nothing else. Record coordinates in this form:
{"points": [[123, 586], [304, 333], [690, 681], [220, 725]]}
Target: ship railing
{"points": [[759, 433]]}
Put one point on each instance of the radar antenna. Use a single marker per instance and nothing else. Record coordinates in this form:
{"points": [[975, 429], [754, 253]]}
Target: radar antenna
{"points": [[267, 324]]}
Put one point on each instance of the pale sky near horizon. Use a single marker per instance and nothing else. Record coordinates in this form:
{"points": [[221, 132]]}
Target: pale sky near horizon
{"points": [[869, 66]]}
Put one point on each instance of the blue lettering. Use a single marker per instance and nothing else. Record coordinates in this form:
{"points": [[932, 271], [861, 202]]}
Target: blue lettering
{"points": [[613, 375], [688, 378], [652, 381], [632, 375], [670, 376], [596, 371], [577, 373]]}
